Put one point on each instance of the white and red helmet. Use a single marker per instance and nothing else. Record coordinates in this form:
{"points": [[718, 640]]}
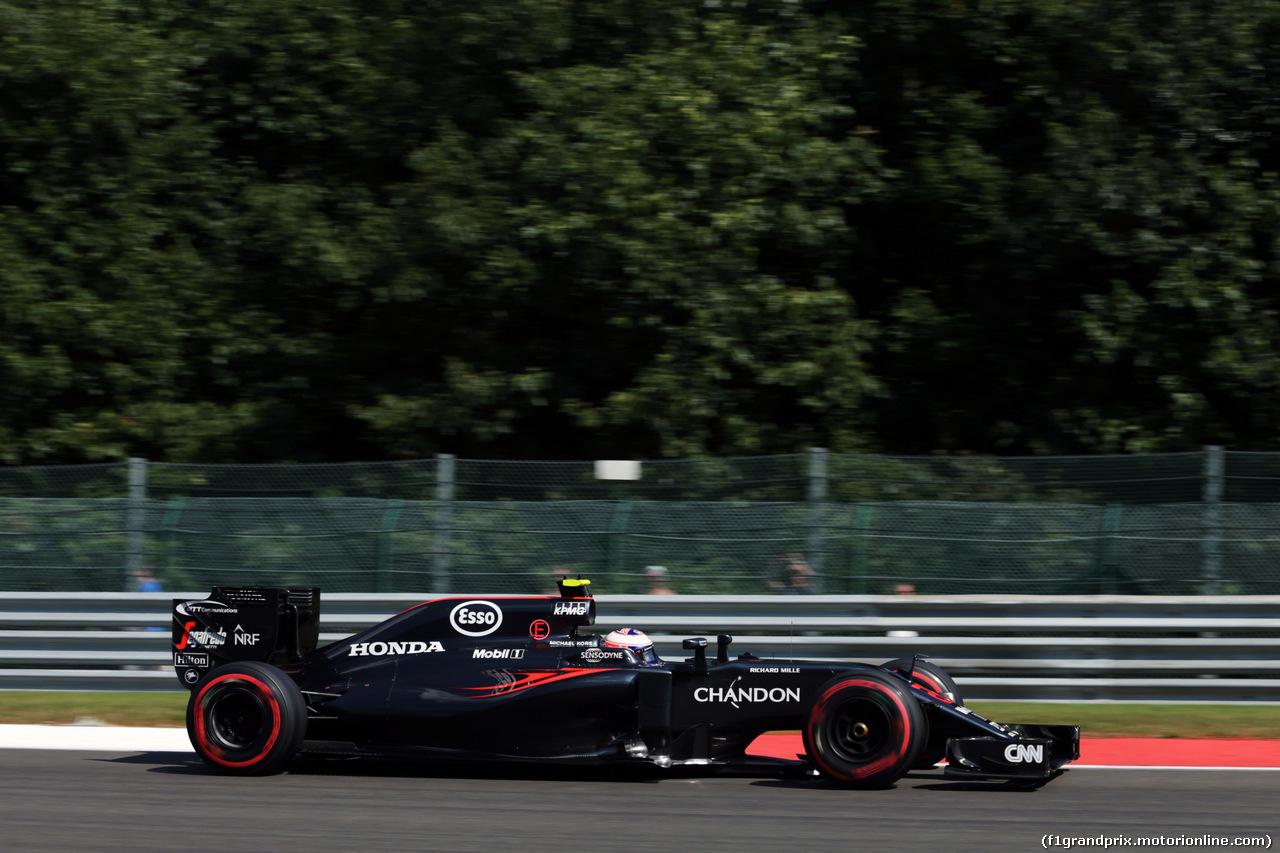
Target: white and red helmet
{"points": [[636, 641]]}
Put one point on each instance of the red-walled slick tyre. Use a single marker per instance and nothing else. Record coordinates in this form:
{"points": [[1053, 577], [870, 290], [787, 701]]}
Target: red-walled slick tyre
{"points": [[865, 730], [928, 675], [932, 677], [246, 718]]}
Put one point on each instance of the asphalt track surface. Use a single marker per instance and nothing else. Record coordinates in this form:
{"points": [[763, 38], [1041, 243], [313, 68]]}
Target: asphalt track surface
{"points": [[61, 800]]}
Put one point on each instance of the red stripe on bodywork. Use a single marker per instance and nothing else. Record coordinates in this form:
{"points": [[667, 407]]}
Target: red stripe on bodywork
{"points": [[526, 680], [935, 695]]}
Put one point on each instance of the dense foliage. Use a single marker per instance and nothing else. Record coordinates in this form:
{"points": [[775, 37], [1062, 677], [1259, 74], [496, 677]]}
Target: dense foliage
{"points": [[269, 230]]}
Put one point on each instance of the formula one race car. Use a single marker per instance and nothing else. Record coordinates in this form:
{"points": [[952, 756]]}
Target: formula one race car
{"points": [[515, 679]]}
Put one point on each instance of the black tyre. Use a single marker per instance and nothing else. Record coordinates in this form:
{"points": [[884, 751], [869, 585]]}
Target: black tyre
{"points": [[246, 718], [865, 730], [932, 677]]}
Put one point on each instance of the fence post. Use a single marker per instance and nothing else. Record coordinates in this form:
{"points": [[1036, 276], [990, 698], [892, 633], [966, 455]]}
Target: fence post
{"points": [[616, 572], [815, 544], [1108, 558], [135, 522], [443, 535], [168, 541], [1211, 535], [861, 546], [386, 545]]}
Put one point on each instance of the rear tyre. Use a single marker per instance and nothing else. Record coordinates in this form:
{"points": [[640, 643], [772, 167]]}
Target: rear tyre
{"points": [[865, 730], [930, 676], [246, 718]]}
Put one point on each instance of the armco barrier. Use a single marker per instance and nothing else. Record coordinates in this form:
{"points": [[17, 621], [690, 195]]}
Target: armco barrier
{"points": [[1192, 648]]}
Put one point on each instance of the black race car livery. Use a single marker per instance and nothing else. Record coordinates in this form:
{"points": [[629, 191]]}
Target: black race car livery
{"points": [[522, 679]]}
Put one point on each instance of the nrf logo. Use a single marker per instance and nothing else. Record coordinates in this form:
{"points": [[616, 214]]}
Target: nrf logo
{"points": [[244, 638], [475, 618]]}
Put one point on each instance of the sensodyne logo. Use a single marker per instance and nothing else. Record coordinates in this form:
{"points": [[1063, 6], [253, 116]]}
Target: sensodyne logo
{"points": [[475, 618], [601, 654], [733, 694]]}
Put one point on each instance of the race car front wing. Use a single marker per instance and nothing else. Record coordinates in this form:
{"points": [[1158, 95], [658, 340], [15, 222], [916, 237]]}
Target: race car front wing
{"points": [[1034, 754]]}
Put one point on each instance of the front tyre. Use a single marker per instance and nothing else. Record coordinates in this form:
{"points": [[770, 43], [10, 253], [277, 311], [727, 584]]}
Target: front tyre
{"points": [[865, 730], [934, 678], [928, 675], [246, 718]]}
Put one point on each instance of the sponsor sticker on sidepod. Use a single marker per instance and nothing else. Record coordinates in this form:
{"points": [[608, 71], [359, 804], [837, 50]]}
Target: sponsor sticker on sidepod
{"points": [[475, 618], [733, 694]]}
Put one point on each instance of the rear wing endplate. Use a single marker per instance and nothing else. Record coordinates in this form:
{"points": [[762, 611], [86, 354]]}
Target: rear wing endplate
{"points": [[274, 625]]}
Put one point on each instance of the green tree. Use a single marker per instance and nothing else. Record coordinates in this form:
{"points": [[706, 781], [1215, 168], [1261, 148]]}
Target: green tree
{"points": [[104, 219], [1079, 254], [647, 262], [249, 230]]}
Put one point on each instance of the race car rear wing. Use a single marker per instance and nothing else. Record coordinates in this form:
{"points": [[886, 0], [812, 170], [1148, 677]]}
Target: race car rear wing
{"points": [[270, 624]]}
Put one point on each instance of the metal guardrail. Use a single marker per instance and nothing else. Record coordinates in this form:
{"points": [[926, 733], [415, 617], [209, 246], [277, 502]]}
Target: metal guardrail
{"points": [[1050, 648]]}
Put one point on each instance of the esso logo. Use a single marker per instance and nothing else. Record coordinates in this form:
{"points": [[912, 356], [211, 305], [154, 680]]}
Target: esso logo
{"points": [[475, 618]]}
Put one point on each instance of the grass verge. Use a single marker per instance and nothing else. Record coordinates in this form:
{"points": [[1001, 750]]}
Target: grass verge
{"points": [[123, 708], [1164, 721]]}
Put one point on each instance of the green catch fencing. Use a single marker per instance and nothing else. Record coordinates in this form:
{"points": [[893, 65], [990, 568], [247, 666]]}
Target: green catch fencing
{"points": [[1163, 524]]}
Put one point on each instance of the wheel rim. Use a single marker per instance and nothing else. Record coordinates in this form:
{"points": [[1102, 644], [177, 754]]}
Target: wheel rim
{"points": [[858, 730], [236, 719]]}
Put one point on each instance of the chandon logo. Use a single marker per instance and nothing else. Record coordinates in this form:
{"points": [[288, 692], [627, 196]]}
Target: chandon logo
{"points": [[1024, 753], [733, 694], [475, 618]]}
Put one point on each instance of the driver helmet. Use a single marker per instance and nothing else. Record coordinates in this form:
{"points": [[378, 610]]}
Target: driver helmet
{"points": [[637, 641]]}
